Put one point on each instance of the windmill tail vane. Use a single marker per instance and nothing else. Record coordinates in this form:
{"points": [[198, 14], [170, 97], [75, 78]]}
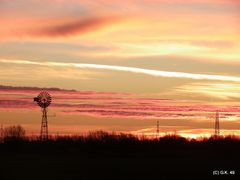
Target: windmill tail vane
{"points": [[35, 99]]}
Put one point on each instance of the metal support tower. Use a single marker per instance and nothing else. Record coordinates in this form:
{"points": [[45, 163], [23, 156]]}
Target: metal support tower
{"points": [[157, 135], [44, 126], [1, 132], [217, 127]]}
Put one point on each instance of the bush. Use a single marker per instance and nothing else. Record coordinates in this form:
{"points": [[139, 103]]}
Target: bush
{"points": [[14, 132]]}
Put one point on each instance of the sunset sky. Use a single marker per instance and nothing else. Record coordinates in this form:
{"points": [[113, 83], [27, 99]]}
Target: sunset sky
{"points": [[130, 62]]}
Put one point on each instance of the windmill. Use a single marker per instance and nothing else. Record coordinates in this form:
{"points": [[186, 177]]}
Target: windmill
{"points": [[43, 100]]}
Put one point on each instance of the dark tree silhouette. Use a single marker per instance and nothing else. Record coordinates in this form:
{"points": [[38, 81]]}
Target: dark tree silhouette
{"points": [[16, 132], [103, 155]]}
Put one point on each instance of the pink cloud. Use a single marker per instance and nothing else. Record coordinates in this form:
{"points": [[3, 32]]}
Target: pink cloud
{"points": [[15, 104], [110, 104]]}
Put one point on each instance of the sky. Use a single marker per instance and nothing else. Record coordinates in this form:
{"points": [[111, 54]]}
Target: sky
{"points": [[130, 63]]}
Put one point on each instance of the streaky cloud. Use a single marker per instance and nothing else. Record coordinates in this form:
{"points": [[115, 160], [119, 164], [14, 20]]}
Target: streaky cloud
{"points": [[77, 27], [158, 73]]}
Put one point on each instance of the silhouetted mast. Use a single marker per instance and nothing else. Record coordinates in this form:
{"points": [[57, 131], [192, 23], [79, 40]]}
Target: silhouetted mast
{"points": [[217, 127], [157, 133], [1, 132]]}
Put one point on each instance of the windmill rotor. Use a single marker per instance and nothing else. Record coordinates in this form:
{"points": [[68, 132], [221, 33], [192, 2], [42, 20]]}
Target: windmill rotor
{"points": [[44, 99]]}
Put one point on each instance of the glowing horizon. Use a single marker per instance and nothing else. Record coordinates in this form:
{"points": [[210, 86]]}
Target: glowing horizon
{"points": [[84, 107]]}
